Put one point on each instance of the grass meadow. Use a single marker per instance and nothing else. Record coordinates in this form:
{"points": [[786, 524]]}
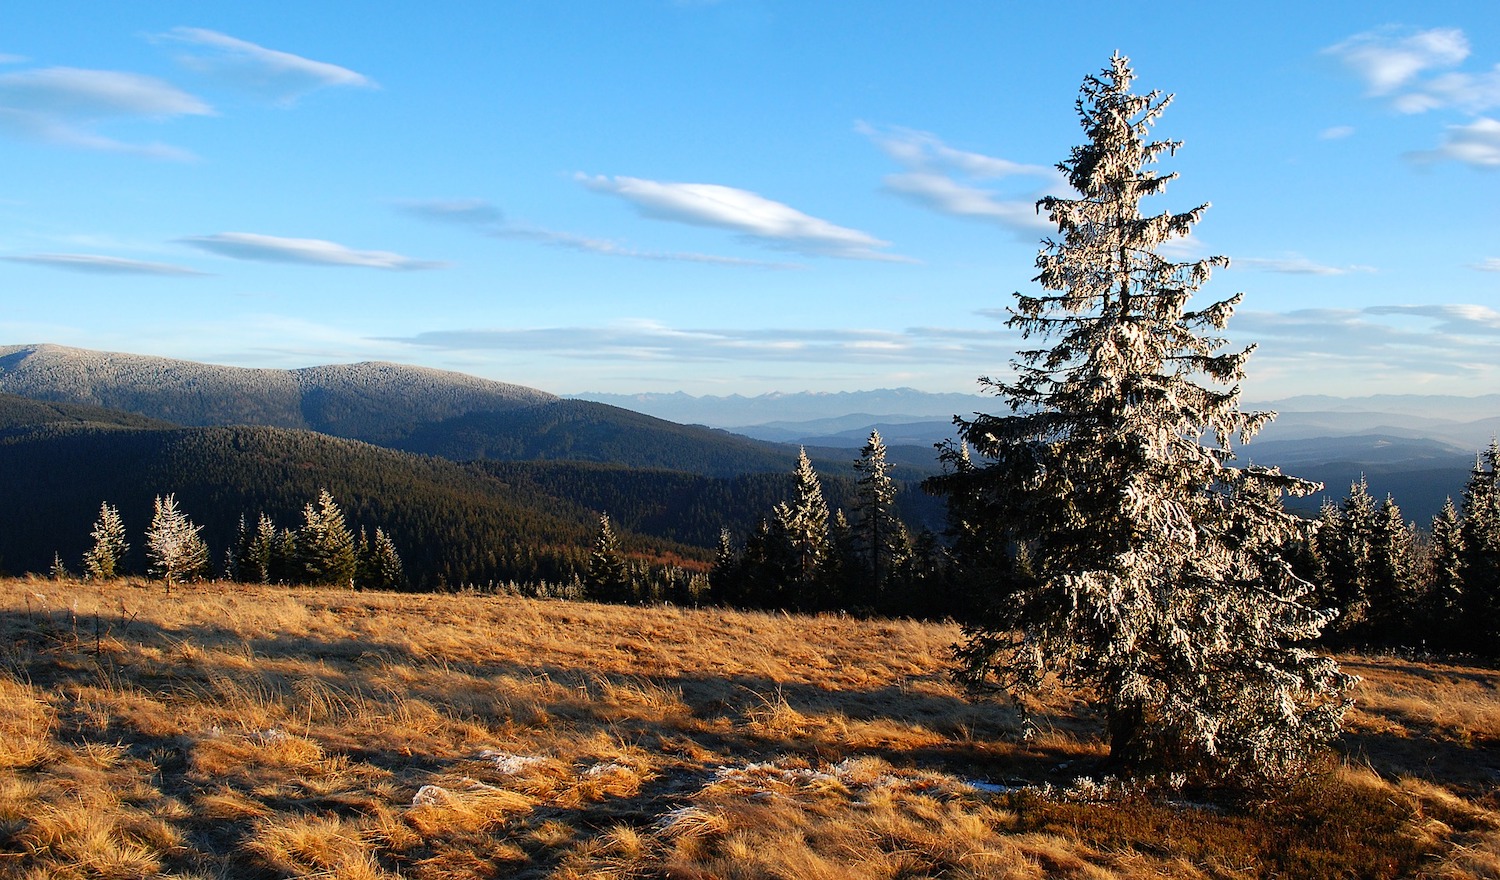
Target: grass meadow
{"points": [[233, 731]]}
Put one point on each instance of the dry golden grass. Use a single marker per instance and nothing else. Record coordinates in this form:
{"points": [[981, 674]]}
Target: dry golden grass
{"points": [[239, 731]]}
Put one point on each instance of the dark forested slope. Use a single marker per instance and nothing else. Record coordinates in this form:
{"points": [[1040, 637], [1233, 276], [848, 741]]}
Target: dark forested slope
{"points": [[453, 523]]}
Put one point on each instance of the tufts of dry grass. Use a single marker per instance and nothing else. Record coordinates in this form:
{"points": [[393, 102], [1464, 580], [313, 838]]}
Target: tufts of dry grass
{"points": [[242, 731]]}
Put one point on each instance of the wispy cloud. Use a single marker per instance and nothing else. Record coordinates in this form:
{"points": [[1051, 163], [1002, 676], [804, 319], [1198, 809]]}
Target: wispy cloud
{"points": [[1335, 132], [464, 212], [12, 59], [276, 75], [485, 217], [306, 251], [609, 248], [102, 265], [1476, 144], [1490, 265], [753, 216], [1298, 265], [1413, 71], [1389, 58], [1433, 344], [649, 340], [65, 106], [1459, 319], [944, 179]]}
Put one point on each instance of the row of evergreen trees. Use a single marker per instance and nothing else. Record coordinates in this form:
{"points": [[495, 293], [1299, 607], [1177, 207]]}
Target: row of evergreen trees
{"points": [[322, 550], [802, 557], [1396, 586]]}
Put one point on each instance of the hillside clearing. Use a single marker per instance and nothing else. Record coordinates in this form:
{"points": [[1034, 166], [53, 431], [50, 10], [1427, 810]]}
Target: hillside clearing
{"points": [[240, 731]]}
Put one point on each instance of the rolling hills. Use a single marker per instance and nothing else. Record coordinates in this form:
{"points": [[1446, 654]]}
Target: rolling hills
{"points": [[455, 523]]}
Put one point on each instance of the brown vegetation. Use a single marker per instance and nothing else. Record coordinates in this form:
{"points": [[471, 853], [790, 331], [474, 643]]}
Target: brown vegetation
{"points": [[235, 731]]}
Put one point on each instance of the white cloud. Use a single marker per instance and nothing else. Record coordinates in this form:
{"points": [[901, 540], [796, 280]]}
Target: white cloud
{"points": [[281, 76], [1335, 132], [1490, 265], [1407, 68], [103, 265], [307, 251], [64, 105], [1389, 58], [1348, 349], [12, 59], [750, 214], [650, 340], [1298, 265], [607, 247], [1470, 92], [465, 212], [947, 196], [1476, 144], [944, 179], [1461, 319]]}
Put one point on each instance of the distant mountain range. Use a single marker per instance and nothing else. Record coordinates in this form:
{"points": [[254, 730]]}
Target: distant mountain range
{"points": [[1417, 448], [499, 470], [476, 481]]}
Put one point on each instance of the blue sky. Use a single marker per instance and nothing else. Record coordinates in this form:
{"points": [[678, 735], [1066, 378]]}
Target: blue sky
{"points": [[730, 197]]}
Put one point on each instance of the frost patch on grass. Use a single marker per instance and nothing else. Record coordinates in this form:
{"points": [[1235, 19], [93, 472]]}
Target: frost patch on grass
{"points": [[432, 796], [509, 763]]}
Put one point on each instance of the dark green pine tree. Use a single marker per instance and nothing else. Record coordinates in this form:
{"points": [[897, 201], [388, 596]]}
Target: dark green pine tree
{"points": [[877, 528], [324, 545], [1481, 553], [1393, 587], [380, 565], [1345, 540], [724, 578], [1443, 603], [607, 578]]}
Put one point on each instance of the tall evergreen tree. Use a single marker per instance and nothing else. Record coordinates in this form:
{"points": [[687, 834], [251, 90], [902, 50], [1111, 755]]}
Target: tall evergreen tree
{"points": [[1481, 552], [877, 527], [1393, 579], [1346, 542], [255, 551], [173, 546], [1159, 581], [1444, 598], [803, 525], [380, 565], [608, 577], [105, 559], [325, 546], [724, 577]]}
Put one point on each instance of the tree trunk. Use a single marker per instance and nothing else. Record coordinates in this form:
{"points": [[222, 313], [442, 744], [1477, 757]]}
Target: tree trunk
{"points": [[1126, 743]]}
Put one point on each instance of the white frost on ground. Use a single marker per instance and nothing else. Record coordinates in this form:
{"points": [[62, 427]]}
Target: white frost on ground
{"points": [[510, 763]]}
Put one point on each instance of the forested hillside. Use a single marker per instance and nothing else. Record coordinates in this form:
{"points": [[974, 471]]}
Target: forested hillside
{"points": [[415, 409], [453, 524], [691, 508], [576, 430], [369, 401]]}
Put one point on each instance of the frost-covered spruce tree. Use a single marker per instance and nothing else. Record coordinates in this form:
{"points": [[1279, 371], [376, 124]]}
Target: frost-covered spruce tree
{"points": [[104, 559], [1158, 578], [877, 528], [1481, 553], [173, 546], [803, 525]]}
